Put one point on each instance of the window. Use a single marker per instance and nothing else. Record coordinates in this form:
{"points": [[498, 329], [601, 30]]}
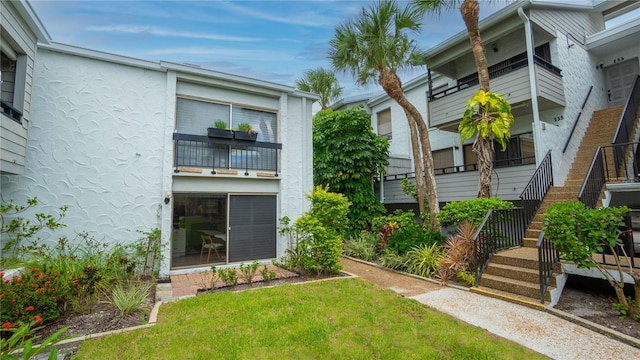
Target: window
{"points": [[443, 161], [13, 76], [520, 151], [194, 117], [384, 124]]}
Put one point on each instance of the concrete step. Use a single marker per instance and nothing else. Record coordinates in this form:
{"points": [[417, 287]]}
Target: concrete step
{"points": [[525, 257], [517, 287], [533, 303], [516, 273], [530, 242]]}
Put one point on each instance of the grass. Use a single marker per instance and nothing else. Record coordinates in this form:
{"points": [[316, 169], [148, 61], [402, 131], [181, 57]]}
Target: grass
{"points": [[341, 319]]}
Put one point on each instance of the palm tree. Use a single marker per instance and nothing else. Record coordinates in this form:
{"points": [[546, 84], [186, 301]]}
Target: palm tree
{"points": [[373, 46], [482, 146], [322, 82]]}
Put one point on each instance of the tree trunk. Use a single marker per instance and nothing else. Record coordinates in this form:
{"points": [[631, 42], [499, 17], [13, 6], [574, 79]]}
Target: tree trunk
{"points": [[417, 163], [470, 11], [393, 87]]}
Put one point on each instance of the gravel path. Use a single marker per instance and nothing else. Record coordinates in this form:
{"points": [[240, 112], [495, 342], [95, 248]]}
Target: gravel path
{"points": [[537, 330]]}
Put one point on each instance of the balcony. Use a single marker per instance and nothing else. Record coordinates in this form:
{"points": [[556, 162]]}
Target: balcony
{"points": [[509, 78], [224, 155]]}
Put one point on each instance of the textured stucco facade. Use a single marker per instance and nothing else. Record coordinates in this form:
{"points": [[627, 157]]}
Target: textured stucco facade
{"points": [[101, 143]]}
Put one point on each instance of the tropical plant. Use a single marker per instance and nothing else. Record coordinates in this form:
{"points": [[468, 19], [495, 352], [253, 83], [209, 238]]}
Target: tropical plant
{"points": [[361, 247], [351, 170], [472, 210], [458, 256], [129, 298], [391, 259], [322, 82], [408, 237], [424, 260], [220, 124], [483, 123], [578, 234], [373, 46], [21, 342]]}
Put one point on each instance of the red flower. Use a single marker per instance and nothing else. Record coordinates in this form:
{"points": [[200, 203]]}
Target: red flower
{"points": [[1, 273], [12, 303], [47, 283], [7, 325], [38, 319], [30, 308]]}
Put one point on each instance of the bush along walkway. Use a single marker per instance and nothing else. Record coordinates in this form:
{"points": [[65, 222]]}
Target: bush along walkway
{"points": [[540, 331]]}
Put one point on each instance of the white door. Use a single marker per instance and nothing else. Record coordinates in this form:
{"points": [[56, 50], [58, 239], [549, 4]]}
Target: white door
{"points": [[620, 79]]}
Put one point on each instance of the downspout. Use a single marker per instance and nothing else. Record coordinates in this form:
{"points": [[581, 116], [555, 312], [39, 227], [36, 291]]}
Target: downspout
{"points": [[528, 34]]}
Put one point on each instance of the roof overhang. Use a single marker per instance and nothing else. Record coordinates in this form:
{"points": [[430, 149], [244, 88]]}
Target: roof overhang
{"points": [[33, 21], [610, 41]]}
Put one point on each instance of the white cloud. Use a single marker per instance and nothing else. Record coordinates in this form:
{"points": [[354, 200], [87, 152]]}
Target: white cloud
{"points": [[155, 31]]}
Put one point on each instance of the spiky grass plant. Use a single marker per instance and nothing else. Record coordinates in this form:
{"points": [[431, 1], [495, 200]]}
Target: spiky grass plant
{"points": [[129, 299]]}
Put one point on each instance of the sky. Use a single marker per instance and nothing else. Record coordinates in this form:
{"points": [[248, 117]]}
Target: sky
{"points": [[270, 40]]}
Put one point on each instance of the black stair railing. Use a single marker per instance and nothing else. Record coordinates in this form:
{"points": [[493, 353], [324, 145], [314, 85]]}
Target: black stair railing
{"points": [[501, 229], [538, 186], [548, 259], [595, 179], [575, 123], [626, 123]]}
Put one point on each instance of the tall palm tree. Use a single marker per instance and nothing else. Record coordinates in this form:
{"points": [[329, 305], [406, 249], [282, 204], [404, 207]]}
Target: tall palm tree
{"points": [[470, 11], [373, 46], [322, 82]]}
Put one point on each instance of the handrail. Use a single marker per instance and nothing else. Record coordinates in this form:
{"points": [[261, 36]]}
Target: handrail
{"points": [[501, 229], [537, 187], [575, 123], [593, 182], [548, 259], [627, 120]]}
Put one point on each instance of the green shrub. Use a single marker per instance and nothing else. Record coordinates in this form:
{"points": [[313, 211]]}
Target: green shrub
{"points": [[129, 299], [247, 272], [392, 260], [267, 275], [398, 217], [34, 294], [424, 260], [473, 210], [361, 247], [408, 237], [229, 276], [318, 233], [22, 339]]}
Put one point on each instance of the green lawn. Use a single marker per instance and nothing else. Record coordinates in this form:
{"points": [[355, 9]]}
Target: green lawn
{"points": [[341, 319]]}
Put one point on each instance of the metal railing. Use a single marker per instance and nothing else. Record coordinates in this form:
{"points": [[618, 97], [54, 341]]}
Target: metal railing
{"points": [[499, 164], [537, 187], [548, 259], [11, 112], [501, 229], [214, 153], [575, 123], [594, 181], [508, 66], [626, 123]]}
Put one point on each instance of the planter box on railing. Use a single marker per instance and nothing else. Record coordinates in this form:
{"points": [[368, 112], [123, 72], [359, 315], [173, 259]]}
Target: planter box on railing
{"points": [[245, 136], [219, 133]]}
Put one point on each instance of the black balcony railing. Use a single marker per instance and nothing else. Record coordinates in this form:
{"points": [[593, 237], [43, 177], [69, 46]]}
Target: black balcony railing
{"points": [[505, 67], [11, 112], [205, 152]]}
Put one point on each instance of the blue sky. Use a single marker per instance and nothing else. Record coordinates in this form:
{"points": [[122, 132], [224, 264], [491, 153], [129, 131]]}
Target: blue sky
{"points": [[268, 40]]}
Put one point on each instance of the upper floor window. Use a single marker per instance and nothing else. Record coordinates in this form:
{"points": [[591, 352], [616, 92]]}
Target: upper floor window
{"points": [[12, 75], [195, 116], [384, 124]]}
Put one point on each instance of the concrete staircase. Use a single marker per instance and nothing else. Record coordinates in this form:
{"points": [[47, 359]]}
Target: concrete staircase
{"points": [[513, 274]]}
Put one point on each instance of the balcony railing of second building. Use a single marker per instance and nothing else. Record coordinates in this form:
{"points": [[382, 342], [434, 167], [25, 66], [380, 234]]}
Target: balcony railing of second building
{"points": [[213, 153], [508, 66]]}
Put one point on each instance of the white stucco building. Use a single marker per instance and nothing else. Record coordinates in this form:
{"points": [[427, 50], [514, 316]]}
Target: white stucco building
{"points": [[124, 143]]}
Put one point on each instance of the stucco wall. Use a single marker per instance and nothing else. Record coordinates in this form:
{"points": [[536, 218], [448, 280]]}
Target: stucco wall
{"points": [[95, 145], [578, 74]]}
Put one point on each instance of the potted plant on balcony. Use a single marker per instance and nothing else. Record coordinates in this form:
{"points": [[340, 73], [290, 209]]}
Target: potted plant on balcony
{"points": [[219, 130], [245, 132]]}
